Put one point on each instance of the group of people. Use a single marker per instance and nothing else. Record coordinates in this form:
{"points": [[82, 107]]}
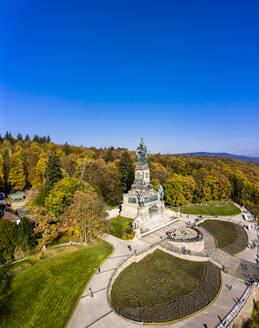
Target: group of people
{"points": [[186, 251]]}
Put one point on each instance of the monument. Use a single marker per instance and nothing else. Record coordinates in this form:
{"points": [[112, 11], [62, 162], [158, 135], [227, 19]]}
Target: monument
{"points": [[142, 203]]}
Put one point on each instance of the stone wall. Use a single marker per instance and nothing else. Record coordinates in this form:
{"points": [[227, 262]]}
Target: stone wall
{"points": [[246, 311], [194, 246]]}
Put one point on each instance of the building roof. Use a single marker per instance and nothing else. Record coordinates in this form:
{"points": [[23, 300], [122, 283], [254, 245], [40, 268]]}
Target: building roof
{"points": [[11, 216], [16, 196]]}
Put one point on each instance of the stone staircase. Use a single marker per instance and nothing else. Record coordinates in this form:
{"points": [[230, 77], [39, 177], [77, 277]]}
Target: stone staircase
{"points": [[158, 221]]}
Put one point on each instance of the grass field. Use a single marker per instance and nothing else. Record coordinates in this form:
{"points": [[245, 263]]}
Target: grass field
{"points": [[43, 293], [156, 280], [229, 236], [226, 209], [121, 227]]}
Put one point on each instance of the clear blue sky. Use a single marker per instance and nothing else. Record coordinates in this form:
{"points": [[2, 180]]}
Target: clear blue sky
{"points": [[182, 74]]}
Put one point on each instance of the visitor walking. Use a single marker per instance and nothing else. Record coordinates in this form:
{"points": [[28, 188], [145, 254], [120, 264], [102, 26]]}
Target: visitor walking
{"points": [[99, 269], [91, 292]]}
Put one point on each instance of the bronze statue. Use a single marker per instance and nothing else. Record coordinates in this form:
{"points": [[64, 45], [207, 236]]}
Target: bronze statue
{"points": [[161, 192], [141, 199], [141, 153]]}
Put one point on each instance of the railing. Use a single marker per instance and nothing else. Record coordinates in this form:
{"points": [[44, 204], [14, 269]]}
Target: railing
{"points": [[237, 308], [189, 240]]}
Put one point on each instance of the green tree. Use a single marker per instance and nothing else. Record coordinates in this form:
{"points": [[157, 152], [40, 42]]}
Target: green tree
{"points": [[25, 235], [8, 232], [126, 170], [4, 280], [53, 171], [8, 136], [109, 155], [61, 194], [66, 149], [27, 138], [19, 137]]}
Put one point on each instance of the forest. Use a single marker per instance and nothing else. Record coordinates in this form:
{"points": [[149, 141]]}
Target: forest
{"points": [[69, 181]]}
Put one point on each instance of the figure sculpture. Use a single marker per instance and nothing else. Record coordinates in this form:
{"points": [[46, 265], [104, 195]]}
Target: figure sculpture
{"points": [[141, 199], [161, 192], [141, 153]]}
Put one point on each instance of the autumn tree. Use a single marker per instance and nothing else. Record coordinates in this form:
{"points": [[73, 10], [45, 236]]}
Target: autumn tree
{"points": [[62, 193], [46, 228], [85, 215], [38, 173], [2, 181], [17, 178], [215, 187], [6, 168], [179, 190]]}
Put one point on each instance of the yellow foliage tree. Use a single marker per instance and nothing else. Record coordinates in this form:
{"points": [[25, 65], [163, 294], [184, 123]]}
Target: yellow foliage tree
{"points": [[17, 178], [84, 216]]}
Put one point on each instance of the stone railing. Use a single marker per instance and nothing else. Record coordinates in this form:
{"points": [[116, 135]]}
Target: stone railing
{"points": [[237, 308], [189, 240]]}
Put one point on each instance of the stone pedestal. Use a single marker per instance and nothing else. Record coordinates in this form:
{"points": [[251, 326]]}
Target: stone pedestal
{"points": [[142, 203], [151, 205]]}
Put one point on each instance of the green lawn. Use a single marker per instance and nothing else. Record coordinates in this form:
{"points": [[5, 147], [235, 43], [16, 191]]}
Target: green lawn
{"points": [[121, 227], [226, 209], [43, 293], [229, 236], [156, 280]]}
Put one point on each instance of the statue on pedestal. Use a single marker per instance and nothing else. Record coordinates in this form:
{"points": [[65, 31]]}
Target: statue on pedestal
{"points": [[161, 192], [141, 199], [141, 153]]}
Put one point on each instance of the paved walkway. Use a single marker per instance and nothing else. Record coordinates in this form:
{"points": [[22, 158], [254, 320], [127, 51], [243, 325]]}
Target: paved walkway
{"points": [[95, 312]]}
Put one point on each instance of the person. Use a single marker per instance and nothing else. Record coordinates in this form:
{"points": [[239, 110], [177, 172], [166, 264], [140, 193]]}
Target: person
{"points": [[91, 292], [99, 269], [120, 208]]}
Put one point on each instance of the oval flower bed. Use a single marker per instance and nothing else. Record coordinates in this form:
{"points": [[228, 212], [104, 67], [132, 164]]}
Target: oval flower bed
{"points": [[163, 288]]}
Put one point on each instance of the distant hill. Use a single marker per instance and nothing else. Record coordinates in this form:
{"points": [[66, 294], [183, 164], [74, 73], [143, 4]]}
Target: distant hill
{"points": [[254, 160]]}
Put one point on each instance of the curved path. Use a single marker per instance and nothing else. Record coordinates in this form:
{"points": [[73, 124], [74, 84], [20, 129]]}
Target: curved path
{"points": [[95, 311]]}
